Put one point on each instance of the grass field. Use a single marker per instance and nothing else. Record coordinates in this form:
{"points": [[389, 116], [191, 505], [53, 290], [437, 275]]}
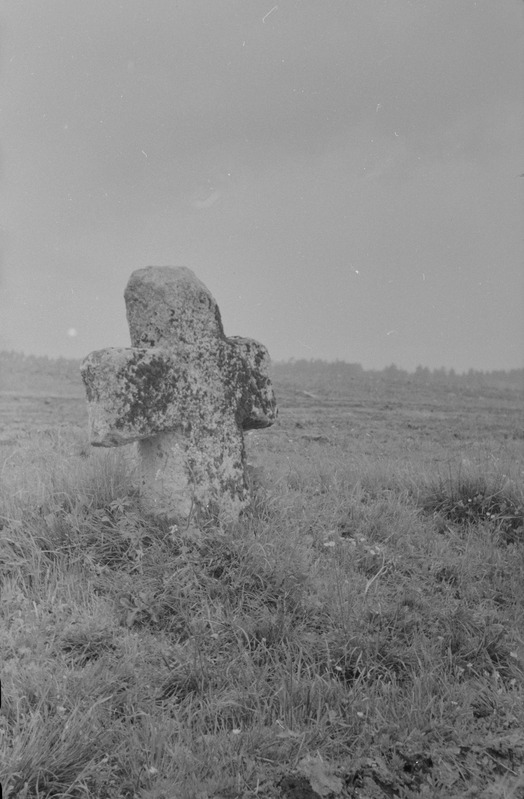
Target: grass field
{"points": [[358, 634]]}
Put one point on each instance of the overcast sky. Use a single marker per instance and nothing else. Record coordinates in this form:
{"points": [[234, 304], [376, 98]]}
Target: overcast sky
{"points": [[343, 175]]}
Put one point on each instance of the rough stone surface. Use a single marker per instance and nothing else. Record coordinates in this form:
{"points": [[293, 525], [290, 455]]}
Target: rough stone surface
{"points": [[185, 392]]}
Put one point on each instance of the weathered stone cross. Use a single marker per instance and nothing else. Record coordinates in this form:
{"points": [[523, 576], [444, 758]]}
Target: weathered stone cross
{"points": [[185, 392]]}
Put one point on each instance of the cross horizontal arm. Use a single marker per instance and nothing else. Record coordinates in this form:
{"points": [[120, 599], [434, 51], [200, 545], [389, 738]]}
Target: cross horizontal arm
{"points": [[138, 392], [133, 393]]}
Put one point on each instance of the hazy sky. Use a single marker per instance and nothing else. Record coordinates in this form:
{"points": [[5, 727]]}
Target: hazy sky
{"points": [[343, 175]]}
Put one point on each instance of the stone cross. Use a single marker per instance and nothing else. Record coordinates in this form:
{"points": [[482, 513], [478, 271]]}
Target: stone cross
{"points": [[184, 392]]}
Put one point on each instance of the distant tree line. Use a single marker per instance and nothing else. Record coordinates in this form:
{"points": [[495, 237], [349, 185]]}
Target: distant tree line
{"points": [[38, 371], [332, 370]]}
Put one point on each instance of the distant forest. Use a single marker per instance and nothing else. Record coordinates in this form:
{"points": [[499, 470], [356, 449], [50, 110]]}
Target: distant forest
{"points": [[19, 371], [39, 373], [340, 370]]}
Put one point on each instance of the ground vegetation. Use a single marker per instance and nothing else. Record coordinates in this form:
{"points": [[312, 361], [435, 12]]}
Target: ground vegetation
{"points": [[357, 634]]}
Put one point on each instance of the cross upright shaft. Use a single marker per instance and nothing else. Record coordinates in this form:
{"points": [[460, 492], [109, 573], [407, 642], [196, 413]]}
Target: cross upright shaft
{"points": [[184, 391]]}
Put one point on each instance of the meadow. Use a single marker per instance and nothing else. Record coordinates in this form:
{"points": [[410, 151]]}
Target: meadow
{"points": [[359, 633]]}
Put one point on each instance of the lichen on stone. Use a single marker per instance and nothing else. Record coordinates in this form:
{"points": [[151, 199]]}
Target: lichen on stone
{"points": [[186, 397]]}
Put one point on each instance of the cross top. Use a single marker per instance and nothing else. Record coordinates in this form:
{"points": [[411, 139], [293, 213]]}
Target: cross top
{"points": [[167, 306], [184, 391]]}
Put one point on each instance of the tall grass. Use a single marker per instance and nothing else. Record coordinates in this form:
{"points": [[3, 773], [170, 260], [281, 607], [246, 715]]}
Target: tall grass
{"points": [[357, 634]]}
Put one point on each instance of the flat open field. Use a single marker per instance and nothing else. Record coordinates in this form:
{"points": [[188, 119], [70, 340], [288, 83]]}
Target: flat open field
{"points": [[368, 414]]}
